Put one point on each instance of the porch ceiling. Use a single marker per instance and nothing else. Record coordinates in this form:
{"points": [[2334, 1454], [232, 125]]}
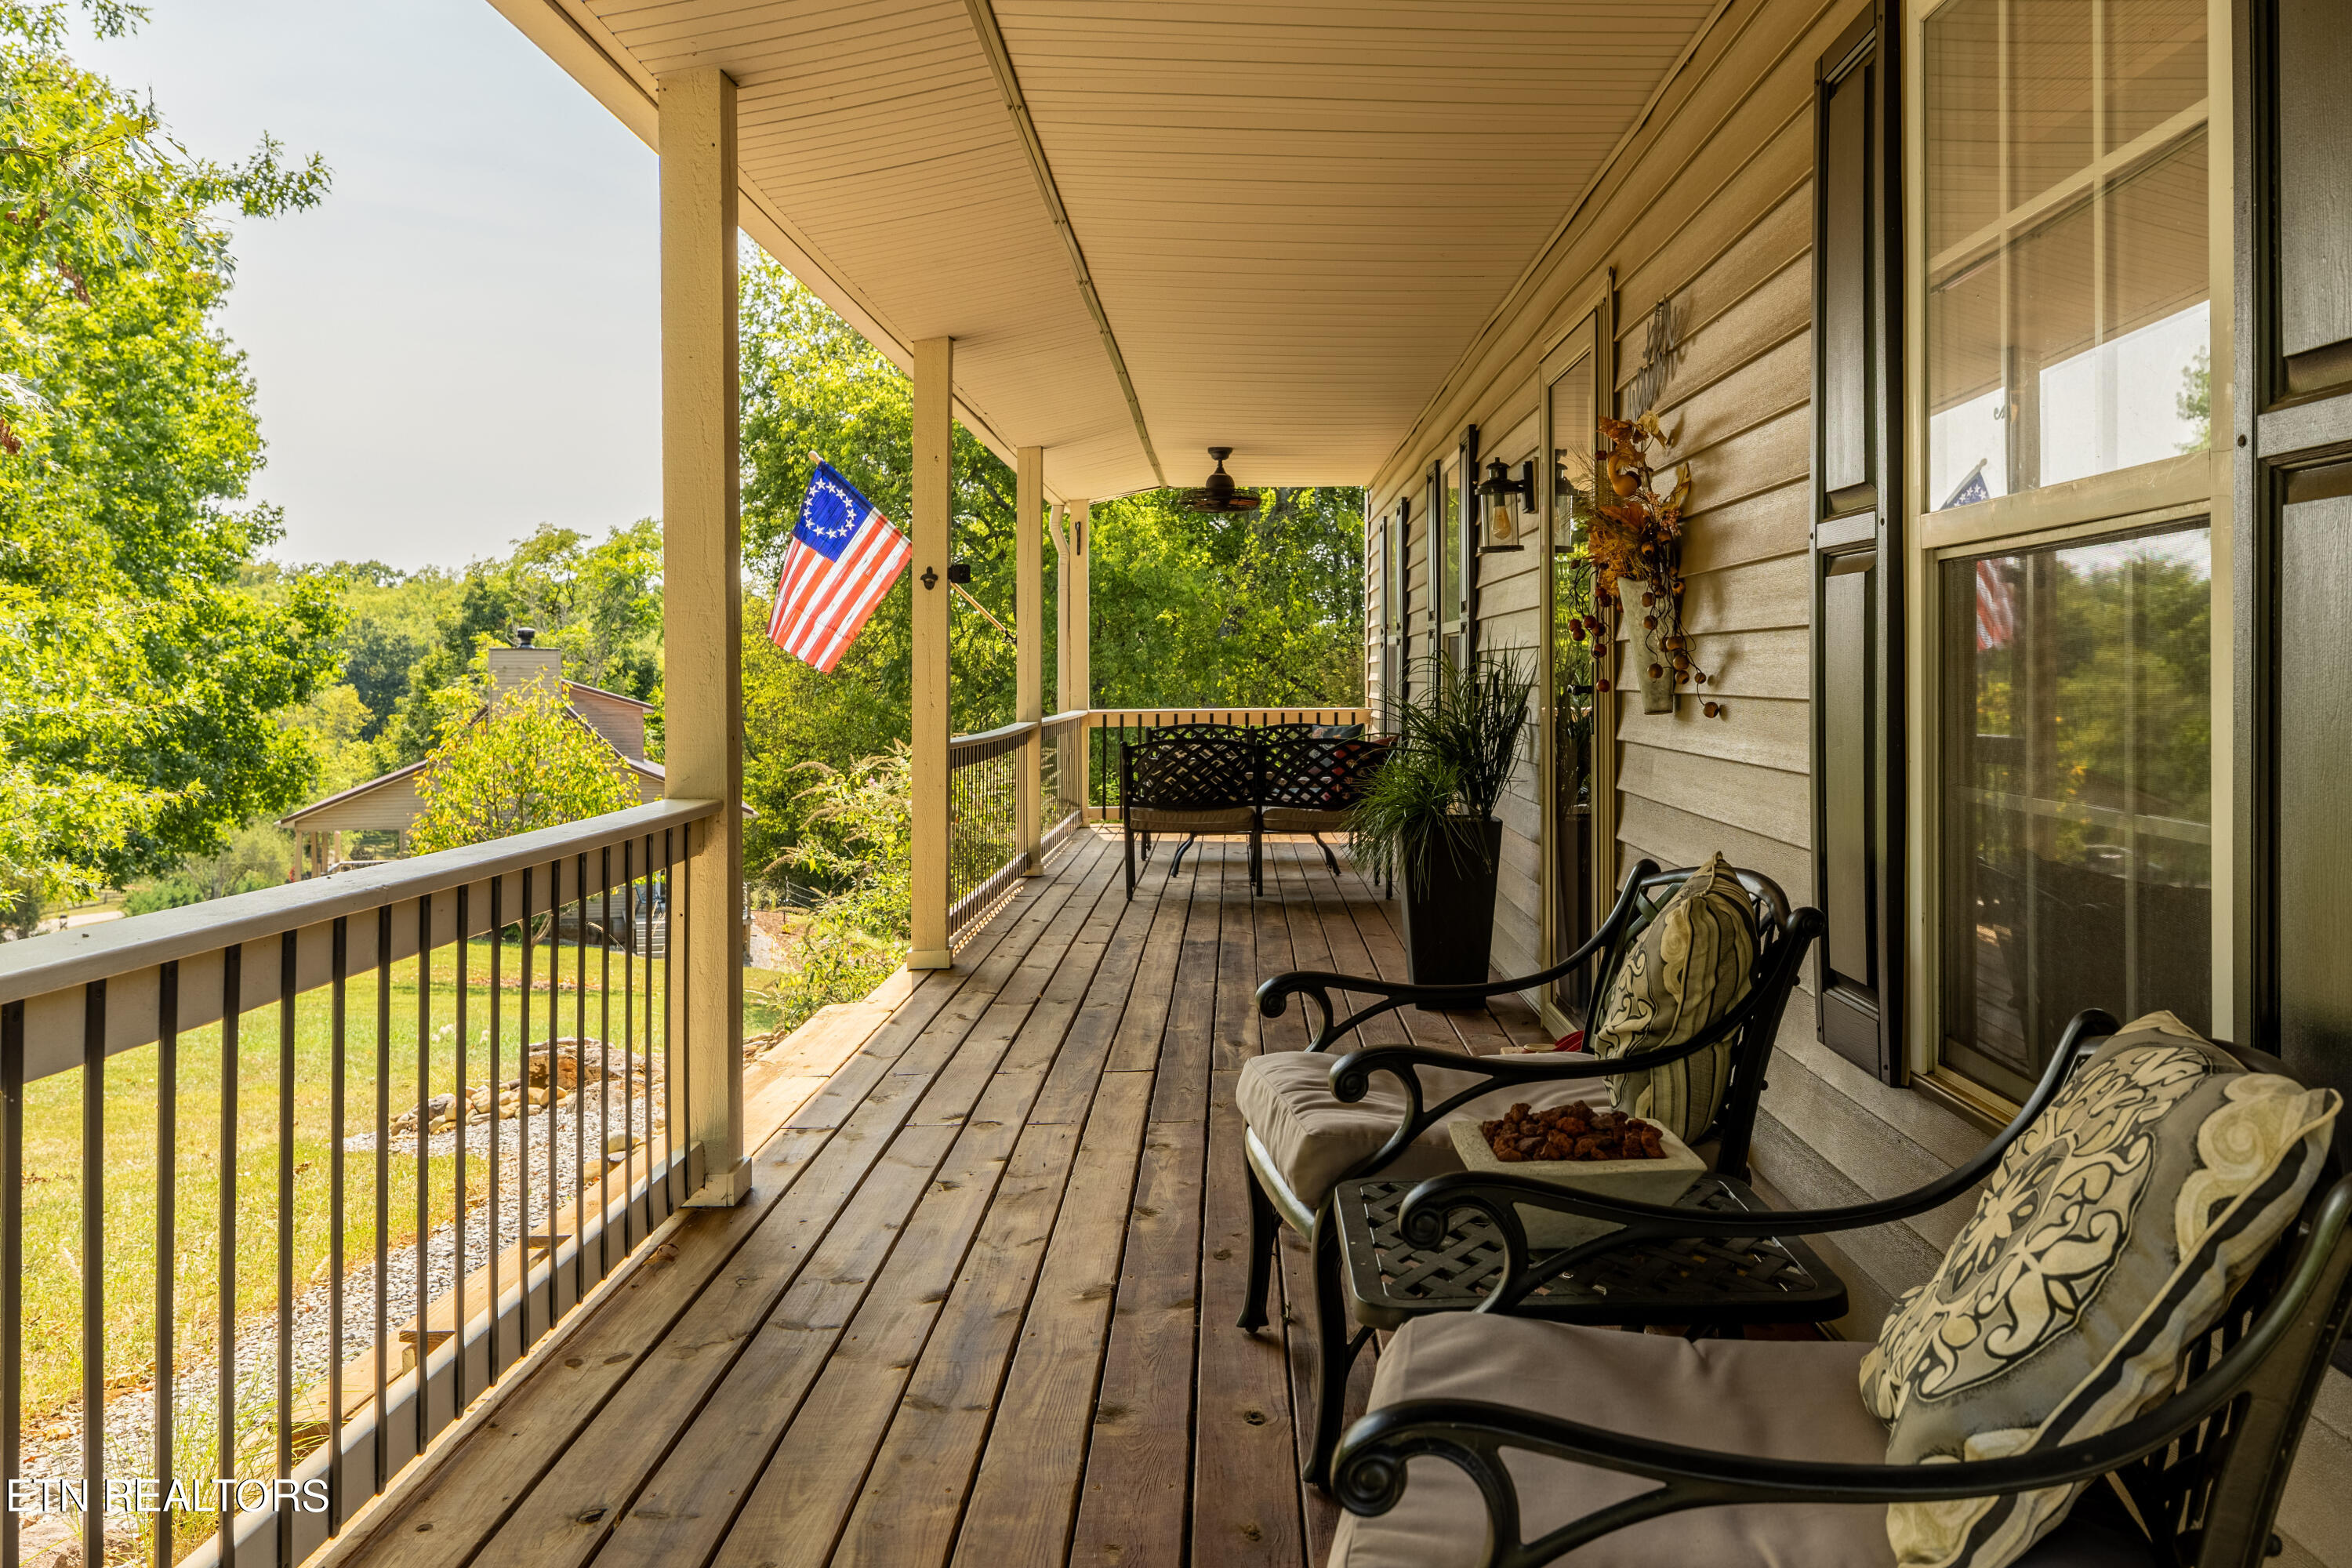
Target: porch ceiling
{"points": [[1296, 216]]}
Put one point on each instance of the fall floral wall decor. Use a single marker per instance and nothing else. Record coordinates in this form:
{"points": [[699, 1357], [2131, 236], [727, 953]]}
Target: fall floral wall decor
{"points": [[1636, 539]]}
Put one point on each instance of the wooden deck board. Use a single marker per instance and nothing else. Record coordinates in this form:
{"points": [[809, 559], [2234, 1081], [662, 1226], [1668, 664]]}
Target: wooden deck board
{"points": [[981, 1309]]}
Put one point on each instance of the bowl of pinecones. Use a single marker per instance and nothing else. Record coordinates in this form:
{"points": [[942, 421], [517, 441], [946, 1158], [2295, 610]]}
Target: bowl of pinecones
{"points": [[1605, 1152]]}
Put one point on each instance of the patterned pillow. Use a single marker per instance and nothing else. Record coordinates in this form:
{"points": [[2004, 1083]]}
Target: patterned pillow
{"points": [[1689, 965], [2108, 1242]]}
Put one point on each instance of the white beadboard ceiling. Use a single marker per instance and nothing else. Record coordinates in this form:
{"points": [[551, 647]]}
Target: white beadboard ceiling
{"points": [[1296, 218]]}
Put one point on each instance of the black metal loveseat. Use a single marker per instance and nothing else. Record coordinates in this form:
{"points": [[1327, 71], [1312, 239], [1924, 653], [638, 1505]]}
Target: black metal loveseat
{"points": [[1200, 779], [1325, 1125], [2193, 1482]]}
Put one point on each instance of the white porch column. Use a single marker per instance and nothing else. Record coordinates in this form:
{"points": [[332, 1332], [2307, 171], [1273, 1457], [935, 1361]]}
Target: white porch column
{"points": [[934, 501], [1029, 644], [1077, 634], [1082, 615], [1073, 743], [702, 608]]}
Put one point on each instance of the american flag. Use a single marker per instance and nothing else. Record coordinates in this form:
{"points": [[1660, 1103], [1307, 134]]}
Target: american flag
{"points": [[1996, 607], [844, 557]]}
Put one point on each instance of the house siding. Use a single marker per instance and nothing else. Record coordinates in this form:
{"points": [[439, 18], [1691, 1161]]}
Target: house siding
{"points": [[1708, 208]]}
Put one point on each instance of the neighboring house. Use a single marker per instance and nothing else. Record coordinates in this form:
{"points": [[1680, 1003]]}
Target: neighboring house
{"points": [[390, 802]]}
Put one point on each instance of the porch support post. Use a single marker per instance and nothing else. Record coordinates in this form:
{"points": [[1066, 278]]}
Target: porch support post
{"points": [[1078, 630], [934, 454], [1082, 615], [702, 608], [1029, 646], [1072, 745]]}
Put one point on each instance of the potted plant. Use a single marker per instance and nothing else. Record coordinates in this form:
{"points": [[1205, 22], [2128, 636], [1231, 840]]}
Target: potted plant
{"points": [[1429, 812]]}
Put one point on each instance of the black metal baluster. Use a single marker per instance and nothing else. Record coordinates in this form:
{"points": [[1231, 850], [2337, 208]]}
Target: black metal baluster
{"points": [[167, 1200], [339, 973], [555, 1022], [382, 1192], [462, 962], [579, 1080], [281, 1512], [679, 1060], [93, 1270], [522, 1137], [497, 1088], [225, 1396], [423, 1167], [12, 1263], [604, 1070], [633, 1057]]}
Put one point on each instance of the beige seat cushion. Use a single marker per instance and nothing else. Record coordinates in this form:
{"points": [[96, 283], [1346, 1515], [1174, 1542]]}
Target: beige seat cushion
{"points": [[1301, 819], [1221, 819], [1313, 1139], [1772, 1398]]}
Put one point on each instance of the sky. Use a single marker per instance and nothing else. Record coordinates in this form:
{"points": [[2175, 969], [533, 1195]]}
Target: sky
{"points": [[461, 341]]}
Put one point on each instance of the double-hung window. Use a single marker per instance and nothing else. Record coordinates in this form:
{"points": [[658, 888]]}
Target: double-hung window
{"points": [[2065, 173]]}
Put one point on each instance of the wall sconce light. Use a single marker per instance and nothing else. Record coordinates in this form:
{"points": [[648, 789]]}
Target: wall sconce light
{"points": [[1498, 486]]}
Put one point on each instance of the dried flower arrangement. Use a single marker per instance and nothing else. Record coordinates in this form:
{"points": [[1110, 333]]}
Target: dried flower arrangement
{"points": [[1636, 537]]}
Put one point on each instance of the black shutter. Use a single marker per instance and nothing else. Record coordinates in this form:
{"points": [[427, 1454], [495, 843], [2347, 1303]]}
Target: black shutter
{"points": [[2291, 433], [1857, 546], [1465, 479]]}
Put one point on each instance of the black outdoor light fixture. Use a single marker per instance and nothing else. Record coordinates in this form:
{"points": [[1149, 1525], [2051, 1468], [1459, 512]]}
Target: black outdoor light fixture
{"points": [[1500, 485]]}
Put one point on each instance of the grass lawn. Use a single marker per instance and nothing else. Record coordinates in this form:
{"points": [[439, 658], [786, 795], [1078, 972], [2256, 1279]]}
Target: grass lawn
{"points": [[53, 1193]]}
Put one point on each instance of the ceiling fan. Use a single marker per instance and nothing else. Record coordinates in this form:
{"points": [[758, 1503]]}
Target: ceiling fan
{"points": [[1219, 494]]}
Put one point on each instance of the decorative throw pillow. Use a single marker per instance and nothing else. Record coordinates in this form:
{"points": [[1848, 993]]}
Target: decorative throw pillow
{"points": [[1690, 965], [2107, 1243]]}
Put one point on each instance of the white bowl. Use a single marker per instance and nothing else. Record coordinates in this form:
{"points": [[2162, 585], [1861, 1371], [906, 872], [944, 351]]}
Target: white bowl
{"points": [[1658, 1180]]}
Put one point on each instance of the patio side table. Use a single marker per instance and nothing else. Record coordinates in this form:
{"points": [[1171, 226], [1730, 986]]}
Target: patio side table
{"points": [[1728, 1282]]}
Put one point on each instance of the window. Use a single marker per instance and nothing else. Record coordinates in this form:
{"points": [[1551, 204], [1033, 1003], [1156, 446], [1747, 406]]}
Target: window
{"points": [[2067, 169], [1572, 700], [1448, 563], [2077, 813], [2068, 277]]}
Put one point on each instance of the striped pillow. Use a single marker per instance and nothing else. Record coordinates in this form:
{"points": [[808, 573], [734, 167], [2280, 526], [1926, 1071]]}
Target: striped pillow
{"points": [[1690, 965], [2107, 1244]]}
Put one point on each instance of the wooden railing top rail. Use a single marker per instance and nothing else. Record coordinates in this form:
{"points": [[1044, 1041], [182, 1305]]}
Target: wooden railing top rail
{"points": [[1326, 713], [48, 973]]}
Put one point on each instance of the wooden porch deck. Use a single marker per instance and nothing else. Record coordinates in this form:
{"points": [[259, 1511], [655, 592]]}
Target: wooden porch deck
{"points": [[981, 1308]]}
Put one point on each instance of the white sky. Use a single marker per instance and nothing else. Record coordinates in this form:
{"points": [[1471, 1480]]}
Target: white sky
{"points": [[460, 343]]}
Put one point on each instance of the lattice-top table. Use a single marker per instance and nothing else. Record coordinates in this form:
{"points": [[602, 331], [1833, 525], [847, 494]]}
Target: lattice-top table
{"points": [[1715, 1282]]}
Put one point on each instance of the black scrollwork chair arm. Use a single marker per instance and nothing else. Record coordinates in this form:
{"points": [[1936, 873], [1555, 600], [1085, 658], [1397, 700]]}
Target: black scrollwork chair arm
{"points": [[1317, 985], [1430, 1206], [1369, 1478], [1351, 1078]]}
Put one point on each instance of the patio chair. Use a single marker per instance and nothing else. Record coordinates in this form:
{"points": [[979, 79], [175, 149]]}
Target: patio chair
{"points": [[1316, 1123], [1188, 780], [1309, 781], [1767, 1452]]}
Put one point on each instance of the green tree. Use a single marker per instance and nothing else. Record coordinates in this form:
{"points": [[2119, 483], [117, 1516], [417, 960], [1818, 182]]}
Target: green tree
{"points": [[138, 684], [524, 765], [1263, 608], [600, 603]]}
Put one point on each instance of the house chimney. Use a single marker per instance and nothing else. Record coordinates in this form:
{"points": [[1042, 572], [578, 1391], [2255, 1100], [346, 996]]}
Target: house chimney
{"points": [[512, 669]]}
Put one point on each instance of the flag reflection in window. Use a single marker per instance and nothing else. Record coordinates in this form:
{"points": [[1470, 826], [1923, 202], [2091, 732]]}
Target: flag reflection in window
{"points": [[2077, 794]]}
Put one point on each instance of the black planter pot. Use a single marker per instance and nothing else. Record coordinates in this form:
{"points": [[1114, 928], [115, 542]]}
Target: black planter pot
{"points": [[1449, 903]]}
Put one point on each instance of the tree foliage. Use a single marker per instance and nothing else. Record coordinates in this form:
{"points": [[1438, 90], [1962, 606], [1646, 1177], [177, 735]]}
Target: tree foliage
{"points": [[525, 764], [1187, 607], [138, 685], [600, 603]]}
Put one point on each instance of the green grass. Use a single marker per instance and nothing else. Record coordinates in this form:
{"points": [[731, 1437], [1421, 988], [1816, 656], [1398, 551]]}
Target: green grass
{"points": [[52, 1182]]}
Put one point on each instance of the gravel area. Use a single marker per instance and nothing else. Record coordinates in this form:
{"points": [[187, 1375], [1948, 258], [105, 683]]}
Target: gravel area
{"points": [[52, 1447]]}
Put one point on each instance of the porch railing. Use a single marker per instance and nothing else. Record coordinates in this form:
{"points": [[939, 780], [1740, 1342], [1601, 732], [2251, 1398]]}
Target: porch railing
{"points": [[985, 855], [300, 1345], [1108, 729]]}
